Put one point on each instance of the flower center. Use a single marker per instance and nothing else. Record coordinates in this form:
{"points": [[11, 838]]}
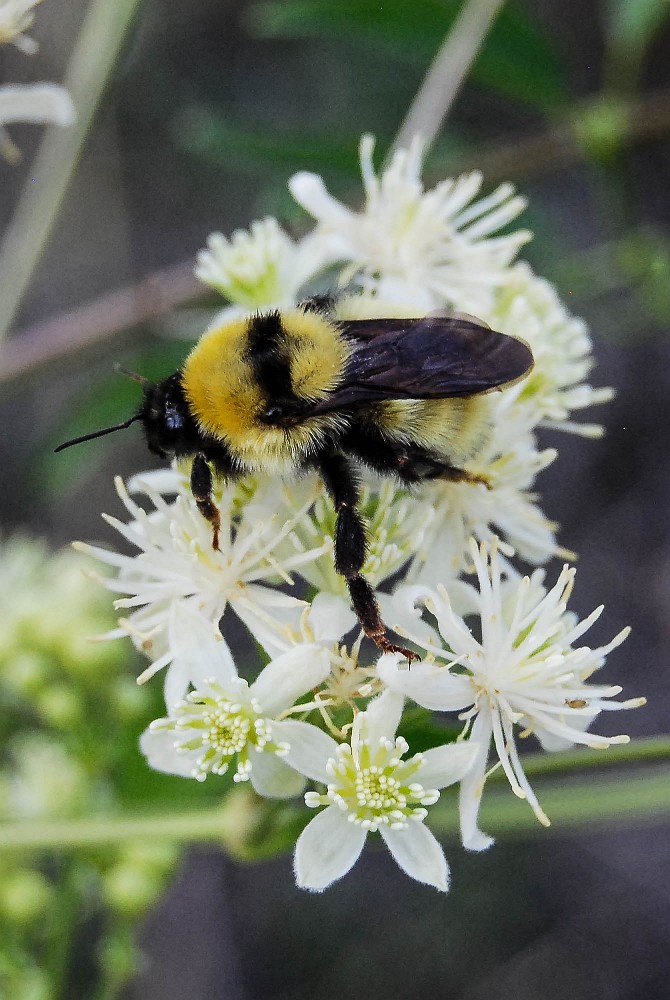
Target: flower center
{"points": [[220, 728], [373, 785]]}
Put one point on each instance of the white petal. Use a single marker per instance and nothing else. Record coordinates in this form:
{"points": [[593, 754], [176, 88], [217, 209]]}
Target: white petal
{"points": [[158, 746], [309, 191], [164, 481], [224, 315], [285, 610], [327, 849], [472, 786], [310, 748], [274, 779], [198, 646], [399, 609], [382, 717], [289, 676], [445, 765], [427, 684], [418, 853], [176, 684], [330, 618], [38, 102]]}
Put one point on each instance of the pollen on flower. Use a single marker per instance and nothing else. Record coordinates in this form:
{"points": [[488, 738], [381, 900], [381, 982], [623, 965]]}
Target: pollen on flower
{"points": [[219, 728], [259, 268], [348, 679], [373, 785], [396, 525]]}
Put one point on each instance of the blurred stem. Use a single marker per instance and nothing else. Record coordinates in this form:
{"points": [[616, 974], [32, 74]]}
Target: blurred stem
{"points": [[148, 301], [91, 63], [443, 80], [128, 308], [594, 804], [641, 795]]}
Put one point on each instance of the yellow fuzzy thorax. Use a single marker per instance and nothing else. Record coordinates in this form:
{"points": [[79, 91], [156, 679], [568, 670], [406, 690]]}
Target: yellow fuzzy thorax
{"points": [[226, 400]]}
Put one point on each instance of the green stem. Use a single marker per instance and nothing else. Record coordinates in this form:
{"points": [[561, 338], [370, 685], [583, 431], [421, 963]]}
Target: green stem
{"points": [[92, 61], [447, 72], [652, 749], [640, 795], [207, 824], [640, 798]]}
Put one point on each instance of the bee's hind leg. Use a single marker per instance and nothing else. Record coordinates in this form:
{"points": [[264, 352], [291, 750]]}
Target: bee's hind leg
{"points": [[350, 550], [202, 485], [417, 467]]}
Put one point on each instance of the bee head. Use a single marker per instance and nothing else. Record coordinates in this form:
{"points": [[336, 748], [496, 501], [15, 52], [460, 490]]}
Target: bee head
{"points": [[168, 425]]}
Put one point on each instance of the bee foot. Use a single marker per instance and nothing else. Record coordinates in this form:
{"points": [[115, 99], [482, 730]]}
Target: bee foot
{"points": [[390, 647]]}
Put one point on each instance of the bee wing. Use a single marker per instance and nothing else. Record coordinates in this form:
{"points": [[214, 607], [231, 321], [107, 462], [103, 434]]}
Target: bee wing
{"points": [[431, 358]]}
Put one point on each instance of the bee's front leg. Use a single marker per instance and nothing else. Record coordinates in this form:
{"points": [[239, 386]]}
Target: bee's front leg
{"points": [[202, 485]]}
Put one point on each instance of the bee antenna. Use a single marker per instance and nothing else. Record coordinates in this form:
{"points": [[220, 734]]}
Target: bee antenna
{"points": [[133, 375], [97, 434]]}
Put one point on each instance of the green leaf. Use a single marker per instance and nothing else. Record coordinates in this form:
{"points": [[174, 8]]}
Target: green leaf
{"points": [[423, 730], [518, 59], [220, 140], [634, 23], [106, 398]]}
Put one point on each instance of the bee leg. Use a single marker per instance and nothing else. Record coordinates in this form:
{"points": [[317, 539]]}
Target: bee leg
{"points": [[350, 549], [367, 611], [417, 467], [463, 476], [322, 304], [202, 485]]}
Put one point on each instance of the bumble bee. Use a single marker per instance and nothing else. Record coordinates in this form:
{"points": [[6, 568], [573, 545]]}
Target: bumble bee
{"points": [[287, 392]]}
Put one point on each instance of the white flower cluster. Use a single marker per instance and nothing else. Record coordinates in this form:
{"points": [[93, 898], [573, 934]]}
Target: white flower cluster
{"points": [[38, 102], [500, 656]]}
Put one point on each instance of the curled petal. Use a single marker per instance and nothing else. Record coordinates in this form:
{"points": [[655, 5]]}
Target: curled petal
{"points": [[472, 785], [310, 192], [428, 684]]}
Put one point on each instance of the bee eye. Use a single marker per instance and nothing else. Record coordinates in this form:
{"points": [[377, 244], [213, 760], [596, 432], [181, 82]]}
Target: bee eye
{"points": [[173, 421], [272, 415]]}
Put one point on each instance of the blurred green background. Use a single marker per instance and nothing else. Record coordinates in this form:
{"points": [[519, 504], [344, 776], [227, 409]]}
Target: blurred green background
{"points": [[209, 108]]}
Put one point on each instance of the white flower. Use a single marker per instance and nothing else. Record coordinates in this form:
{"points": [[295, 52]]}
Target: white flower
{"points": [[224, 720], [426, 248], [527, 306], [325, 621], [524, 671], [261, 269], [395, 520], [506, 506], [369, 787], [37, 102], [25, 791], [15, 18], [176, 563]]}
